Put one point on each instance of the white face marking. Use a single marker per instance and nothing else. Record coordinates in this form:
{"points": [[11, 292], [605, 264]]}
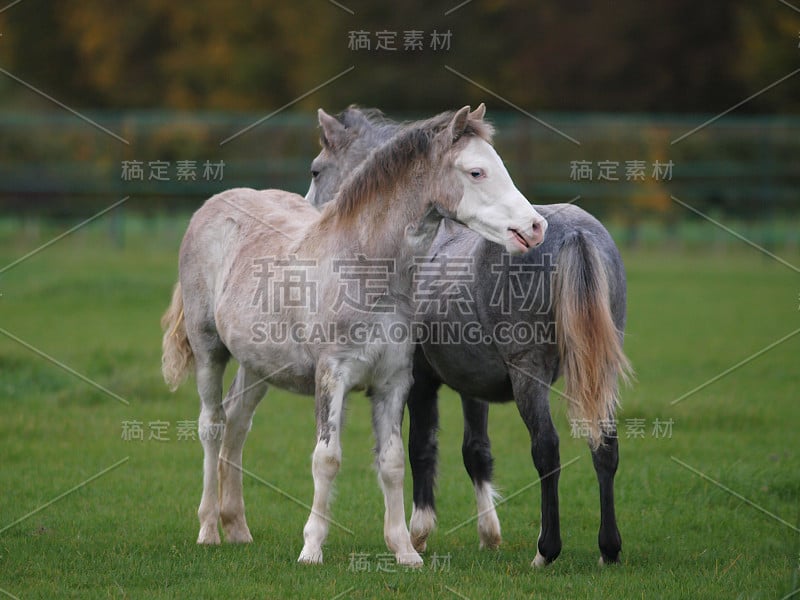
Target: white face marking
{"points": [[491, 204], [312, 190]]}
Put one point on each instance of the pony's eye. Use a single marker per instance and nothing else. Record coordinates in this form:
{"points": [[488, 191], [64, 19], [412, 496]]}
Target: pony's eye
{"points": [[314, 173], [477, 173]]}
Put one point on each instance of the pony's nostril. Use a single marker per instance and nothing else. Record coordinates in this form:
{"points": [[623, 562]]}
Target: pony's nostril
{"points": [[537, 232]]}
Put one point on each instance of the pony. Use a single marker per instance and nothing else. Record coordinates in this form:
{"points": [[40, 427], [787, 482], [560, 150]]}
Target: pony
{"points": [[256, 264], [567, 296]]}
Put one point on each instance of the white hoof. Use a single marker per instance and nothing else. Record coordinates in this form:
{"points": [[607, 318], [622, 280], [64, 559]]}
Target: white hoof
{"points": [[310, 557], [489, 532], [409, 559], [209, 535], [238, 536], [488, 523], [539, 561], [235, 529], [423, 522]]}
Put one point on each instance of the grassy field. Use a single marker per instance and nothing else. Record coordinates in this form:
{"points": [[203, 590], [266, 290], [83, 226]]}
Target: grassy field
{"points": [[130, 532]]}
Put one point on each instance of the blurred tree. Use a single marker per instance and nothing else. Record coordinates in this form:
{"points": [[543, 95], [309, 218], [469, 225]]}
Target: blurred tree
{"points": [[626, 55], [35, 48], [203, 54], [770, 49]]}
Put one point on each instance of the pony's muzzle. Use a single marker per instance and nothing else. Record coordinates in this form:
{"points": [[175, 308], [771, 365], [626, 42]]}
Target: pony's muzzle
{"points": [[526, 239]]}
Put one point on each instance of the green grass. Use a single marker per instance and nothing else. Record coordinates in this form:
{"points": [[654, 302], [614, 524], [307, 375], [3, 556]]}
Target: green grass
{"points": [[131, 532]]}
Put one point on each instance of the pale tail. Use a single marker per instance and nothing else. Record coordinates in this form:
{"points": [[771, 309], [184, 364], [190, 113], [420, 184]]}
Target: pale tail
{"points": [[589, 343], [177, 358]]}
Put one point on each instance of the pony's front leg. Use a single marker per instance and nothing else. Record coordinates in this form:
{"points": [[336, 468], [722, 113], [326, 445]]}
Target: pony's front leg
{"points": [[477, 454], [387, 416], [423, 450], [325, 461]]}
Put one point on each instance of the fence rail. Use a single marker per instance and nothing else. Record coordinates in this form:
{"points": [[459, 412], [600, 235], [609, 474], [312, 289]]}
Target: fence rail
{"points": [[625, 165]]}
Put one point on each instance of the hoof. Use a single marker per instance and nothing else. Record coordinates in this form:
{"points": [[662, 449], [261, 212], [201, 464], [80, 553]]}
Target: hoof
{"points": [[307, 557], [209, 536], [409, 559], [240, 537], [423, 522], [490, 541], [237, 534], [607, 560], [488, 523], [539, 561]]}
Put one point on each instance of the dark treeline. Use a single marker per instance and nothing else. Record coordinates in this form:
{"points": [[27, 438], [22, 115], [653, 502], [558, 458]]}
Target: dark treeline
{"points": [[625, 55]]}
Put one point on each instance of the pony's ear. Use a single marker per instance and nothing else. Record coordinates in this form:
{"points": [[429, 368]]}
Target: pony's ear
{"points": [[458, 124], [333, 132], [353, 116], [478, 113]]}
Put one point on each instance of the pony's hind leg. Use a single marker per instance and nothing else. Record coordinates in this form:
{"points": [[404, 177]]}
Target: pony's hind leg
{"points": [[325, 461], [423, 449], [477, 454], [606, 459], [246, 392], [531, 395], [210, 429]]}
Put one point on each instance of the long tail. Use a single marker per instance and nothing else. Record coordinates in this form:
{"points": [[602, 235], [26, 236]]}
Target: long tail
{"points": [[589, 343], [177, 358]]}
